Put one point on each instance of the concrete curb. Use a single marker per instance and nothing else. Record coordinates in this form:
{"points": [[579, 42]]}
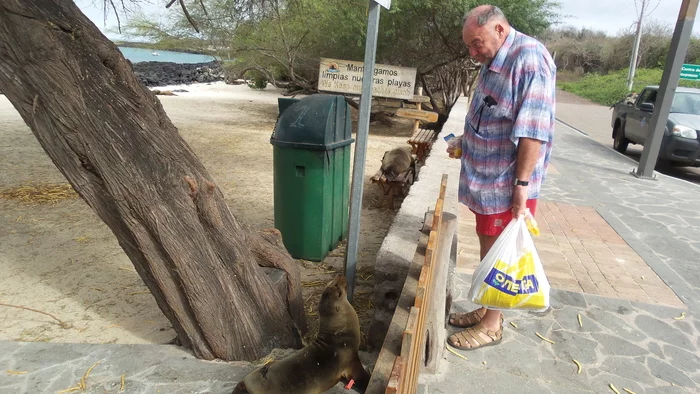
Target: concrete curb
{"points": [[399, 246]]}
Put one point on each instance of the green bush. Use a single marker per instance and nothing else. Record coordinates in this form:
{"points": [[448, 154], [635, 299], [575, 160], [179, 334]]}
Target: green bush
{"points": [[610, 88], [259, 80]]}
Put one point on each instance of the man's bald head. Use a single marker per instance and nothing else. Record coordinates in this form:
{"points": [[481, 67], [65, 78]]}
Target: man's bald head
{"points": [[485, 30], [484, 14]]}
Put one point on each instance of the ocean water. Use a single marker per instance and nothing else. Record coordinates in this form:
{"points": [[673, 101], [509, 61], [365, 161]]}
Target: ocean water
{"points": [[137, 55]]}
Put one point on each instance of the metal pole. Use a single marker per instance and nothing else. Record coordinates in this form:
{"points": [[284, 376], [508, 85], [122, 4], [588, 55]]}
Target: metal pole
{"points": [[635, 51], [667, 88], [358, 169]]}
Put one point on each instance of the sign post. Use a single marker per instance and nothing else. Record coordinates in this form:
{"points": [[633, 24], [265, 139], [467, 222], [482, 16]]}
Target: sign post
{"points": [[358, 169], [667, 88]]}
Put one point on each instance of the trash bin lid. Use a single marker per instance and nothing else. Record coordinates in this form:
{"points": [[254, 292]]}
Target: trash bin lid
{"points": [[317, 122]]}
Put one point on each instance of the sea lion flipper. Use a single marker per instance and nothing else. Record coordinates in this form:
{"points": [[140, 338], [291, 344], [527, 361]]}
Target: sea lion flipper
{"points": [[358, 374], [240, 389]]}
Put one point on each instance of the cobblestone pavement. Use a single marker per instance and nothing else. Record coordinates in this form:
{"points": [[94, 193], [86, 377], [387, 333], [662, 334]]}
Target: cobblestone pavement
{"points": [[623, 254]]}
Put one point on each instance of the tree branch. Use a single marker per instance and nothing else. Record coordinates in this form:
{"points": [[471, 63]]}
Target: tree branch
{"points": [[188, 16]]}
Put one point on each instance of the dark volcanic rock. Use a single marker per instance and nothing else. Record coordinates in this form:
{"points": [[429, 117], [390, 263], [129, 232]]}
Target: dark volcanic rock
{"points": [[166, 73]]}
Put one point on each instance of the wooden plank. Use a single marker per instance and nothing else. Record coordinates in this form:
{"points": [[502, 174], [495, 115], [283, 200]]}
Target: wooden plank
{"points": [[424, 291], [417, 356], [440, 202], [434, 324], [417, 346], [422, 287], [416, 123], [413, 339], [414, 365], [408, 349], [443, 187], [395, 377], [409, 332], [427, 116], [432, 241], [422, 136], [436, 236]]}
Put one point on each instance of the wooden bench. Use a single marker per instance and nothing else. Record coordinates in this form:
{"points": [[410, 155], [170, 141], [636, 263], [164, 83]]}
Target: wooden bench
{"points": [[403, 378], [421, 141], [390, 189]]}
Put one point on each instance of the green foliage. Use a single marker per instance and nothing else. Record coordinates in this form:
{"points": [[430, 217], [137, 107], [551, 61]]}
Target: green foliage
{"points": [[584, 50], [425, 33], [259, 80], [275, 33], [532, 17], [610, 88], [285, 39], [603, 89]]}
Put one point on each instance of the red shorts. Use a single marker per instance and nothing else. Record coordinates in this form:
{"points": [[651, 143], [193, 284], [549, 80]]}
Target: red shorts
{"points": [[494, 224]]}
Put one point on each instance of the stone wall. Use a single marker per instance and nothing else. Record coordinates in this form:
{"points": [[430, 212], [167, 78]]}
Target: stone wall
{"points": [[166, 73]]}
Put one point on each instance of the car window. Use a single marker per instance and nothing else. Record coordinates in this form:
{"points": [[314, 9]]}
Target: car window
{"points": [[648, 96], [686, 103], [651, 97]]}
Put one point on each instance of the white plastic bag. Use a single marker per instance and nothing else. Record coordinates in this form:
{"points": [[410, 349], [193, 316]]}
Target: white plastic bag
{"points": [[511, 275]]}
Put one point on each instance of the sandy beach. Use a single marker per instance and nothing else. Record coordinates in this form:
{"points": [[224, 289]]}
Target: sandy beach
{"points": [[58, 257]]}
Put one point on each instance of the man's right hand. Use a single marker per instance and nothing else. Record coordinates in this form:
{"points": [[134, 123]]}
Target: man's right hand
{"points": [[454, 147]]}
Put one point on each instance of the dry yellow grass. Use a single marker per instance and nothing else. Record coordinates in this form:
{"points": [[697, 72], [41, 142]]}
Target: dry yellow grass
{"points": [[39, 194]]}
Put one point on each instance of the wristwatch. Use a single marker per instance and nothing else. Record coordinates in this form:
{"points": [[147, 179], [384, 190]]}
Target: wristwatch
{"points": [[518, 182]]}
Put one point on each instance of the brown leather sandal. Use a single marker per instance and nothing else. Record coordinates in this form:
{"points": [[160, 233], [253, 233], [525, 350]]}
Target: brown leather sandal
{"points": [[473, 338], [467, 319]]}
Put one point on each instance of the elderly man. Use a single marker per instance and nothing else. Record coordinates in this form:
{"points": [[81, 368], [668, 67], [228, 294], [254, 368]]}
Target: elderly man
{"points": [[506, 143]]}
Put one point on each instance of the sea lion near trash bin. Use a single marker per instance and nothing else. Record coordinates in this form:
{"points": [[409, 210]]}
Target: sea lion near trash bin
{"points": [[397, 161], [320, 365]]}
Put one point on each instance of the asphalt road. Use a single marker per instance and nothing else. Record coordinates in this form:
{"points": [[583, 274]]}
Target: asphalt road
{"points": [[594, 120]]}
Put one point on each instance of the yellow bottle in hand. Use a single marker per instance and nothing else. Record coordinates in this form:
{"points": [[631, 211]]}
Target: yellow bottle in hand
{"points": [[455, 144]]}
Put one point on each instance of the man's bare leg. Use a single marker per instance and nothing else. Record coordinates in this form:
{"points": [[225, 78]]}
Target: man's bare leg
{"points": [[492, 318], [488, 330]]}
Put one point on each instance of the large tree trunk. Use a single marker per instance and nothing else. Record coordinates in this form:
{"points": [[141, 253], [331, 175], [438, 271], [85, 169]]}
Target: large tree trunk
{"points": [[112, 140]]}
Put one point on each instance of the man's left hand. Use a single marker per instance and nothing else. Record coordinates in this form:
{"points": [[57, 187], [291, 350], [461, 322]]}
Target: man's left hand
{"points": [[519, 201]]}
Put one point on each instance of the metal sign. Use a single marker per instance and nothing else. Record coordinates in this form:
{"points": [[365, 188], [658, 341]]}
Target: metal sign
{"points": [[384, 3], [346, 76], [691, 72]]}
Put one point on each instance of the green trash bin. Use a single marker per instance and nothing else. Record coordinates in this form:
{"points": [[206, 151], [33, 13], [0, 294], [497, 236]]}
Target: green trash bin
{"points": [[311, 162]]}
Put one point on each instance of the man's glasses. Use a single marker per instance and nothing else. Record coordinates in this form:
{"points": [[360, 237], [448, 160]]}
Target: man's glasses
{"points": [[488, 102]]}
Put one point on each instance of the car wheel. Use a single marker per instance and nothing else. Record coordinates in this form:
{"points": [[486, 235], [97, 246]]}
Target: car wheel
{"points": [[620, 142]]}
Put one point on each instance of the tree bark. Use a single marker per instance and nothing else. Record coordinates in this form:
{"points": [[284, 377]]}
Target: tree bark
{"points": [[112, 140]]}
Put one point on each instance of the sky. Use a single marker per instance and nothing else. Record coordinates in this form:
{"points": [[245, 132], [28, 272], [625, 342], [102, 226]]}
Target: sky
{"points": [[613, 16], [610, 16]]}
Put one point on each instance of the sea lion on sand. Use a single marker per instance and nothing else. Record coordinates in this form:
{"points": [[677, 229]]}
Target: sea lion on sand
{"points": [[396, 162], [332, 356]]}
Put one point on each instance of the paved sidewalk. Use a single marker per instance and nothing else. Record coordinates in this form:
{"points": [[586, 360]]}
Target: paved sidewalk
{"points": [[621, 252], [581, 253]]}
